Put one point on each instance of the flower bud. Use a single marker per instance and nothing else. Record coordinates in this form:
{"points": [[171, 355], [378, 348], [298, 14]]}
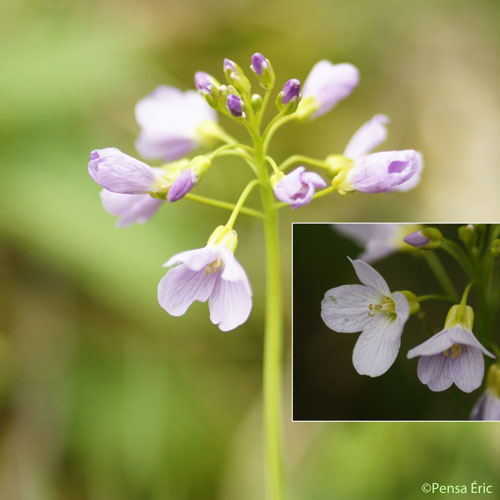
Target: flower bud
{"points": [[263, 70], [288, 99], [236, 77], [235, 105], [467, 234], [412, 301], [256, 102], [428, 238]]}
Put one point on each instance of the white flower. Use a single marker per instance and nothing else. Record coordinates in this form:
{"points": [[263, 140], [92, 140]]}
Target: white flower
{"points": [[372, 309]]}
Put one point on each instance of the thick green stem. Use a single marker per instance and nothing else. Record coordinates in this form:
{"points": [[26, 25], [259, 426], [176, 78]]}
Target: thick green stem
{"points": [[273, 335]]}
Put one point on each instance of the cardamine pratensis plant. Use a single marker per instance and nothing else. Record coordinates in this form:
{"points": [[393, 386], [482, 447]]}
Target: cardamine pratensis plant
{"points": [[453, 355], [173, 123]]}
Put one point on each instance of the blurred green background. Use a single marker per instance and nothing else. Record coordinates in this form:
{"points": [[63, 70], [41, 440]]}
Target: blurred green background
{"points": [[102, 395]]}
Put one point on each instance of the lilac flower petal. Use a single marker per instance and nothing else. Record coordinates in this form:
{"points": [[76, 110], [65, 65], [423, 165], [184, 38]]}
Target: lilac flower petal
{"points": [[330, 83], [182, 185], [377, 348], [230, 304], [120, 173], [169, 120], [402, 308], [196, 259], [380, 172], [130, 207], [435, 345], [487, 407], [233, 270], [433, 371], [414, 180], [368, 137], [180, 287], [345, 308], [379, 240], [313, 179], [461, 335], [297, 188], [370, 277], [467, 369]]}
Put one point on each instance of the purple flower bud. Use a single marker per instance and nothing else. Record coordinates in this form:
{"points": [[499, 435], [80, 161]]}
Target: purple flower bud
{"points": [[182, 185], [203, 81], [229, 66], [120, 173], [235, 105], [291, 90], [297, 188], [416, 239], [259, 62]]}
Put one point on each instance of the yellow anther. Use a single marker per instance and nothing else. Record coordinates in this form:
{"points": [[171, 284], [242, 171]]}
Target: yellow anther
{"points": [[211, 268], [455, 351]]}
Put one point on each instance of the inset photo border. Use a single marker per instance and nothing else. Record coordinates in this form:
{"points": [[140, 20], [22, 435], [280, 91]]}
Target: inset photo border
{"points": [[395, 322]]}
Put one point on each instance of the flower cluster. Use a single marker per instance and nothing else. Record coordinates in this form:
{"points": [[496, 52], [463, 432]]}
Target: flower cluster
{"points": [[173, 123], [454, 355]]}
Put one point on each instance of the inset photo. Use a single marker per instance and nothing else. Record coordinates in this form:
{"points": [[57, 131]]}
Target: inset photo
{"points": [[396, 322]]}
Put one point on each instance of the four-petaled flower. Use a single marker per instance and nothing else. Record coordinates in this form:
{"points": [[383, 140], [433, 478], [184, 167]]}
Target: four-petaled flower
{"points": [[372, 309], [171, 122], [377, 172], [211, 273], [487, 406], [452, 356], [297, 188]]}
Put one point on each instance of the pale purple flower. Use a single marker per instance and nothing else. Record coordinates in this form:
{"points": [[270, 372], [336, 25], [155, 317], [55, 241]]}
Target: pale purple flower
{"points": [[120, 173], [170, 122], [130, 207], [452, 356], [259, 63], [372, 309], [182, 185], [297, 188], [291, 90], [211, 273], [234, 105], [378, 240], [379, 172], [327, 84], [417, 239], [487, 406]]}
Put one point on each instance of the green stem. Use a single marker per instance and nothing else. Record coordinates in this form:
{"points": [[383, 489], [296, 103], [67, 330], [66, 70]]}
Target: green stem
{"points": [[444, 298], [223, 204], [273, 126], [239, 204], [273, 333], [303, 159], [459, 255], [271, 162], [441, 274]]}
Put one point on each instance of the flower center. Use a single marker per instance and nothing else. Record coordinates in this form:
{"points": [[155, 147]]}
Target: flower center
{"points": [[455, 351], [211, 268], [387, 306]]}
